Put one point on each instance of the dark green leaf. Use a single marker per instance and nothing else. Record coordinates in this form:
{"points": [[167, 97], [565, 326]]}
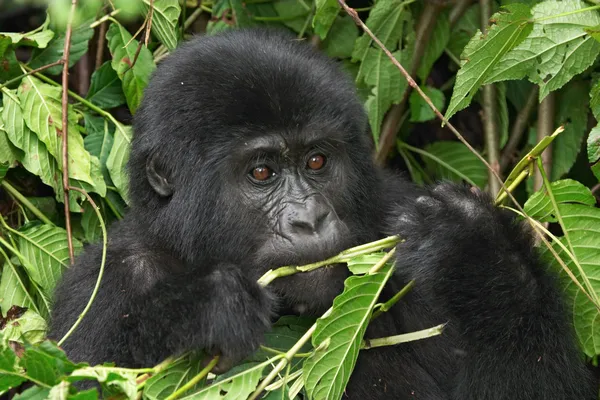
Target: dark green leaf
{"points": [[105, 88], [325, 14], [420, 110]]}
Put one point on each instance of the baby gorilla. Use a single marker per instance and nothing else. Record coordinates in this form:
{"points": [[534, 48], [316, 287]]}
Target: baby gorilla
{"points": [[251, 151]]}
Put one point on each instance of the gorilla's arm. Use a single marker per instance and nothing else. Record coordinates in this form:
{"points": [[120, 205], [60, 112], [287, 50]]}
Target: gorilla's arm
{"points": [[150, 306], [476, 268]]}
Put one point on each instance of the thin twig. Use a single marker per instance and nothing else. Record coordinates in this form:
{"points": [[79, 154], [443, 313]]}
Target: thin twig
{"points": [[33, 71], [545, 125], [518, 129], [65, 127], [149, 25]]}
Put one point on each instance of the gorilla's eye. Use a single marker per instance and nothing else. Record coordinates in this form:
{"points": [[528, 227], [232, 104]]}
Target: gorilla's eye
{"points": [[316, 162], [262, 173]]}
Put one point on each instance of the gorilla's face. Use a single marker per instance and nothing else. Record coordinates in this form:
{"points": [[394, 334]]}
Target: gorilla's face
{"points": [[298, 190]]}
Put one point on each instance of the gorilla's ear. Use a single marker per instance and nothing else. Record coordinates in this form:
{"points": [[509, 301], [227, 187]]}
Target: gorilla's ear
{"points": [[157, 177]]}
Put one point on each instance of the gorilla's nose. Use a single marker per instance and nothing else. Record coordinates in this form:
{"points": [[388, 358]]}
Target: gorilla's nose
{"points": [[310, 218]]}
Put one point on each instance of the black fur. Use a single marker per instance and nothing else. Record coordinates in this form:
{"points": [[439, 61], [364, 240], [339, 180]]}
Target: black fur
{"points": [[182, 265]]}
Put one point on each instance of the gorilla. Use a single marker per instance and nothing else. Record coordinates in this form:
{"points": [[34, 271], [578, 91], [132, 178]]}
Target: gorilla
{"points": [[251, 151]]}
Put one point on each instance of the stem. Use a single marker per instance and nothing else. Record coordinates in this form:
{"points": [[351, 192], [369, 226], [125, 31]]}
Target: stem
{"points": [[65, 128], [403, 338], [518, 128], [105, 18], [31, 71], [342, 257], [286, 359], [194, 381], [23, 200], [489, 113], [100, 272], [390, 303]]}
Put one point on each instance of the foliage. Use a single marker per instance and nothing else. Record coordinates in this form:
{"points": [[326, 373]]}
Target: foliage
{"points": [[545, 50]]}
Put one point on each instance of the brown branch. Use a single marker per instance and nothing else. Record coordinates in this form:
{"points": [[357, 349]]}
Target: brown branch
{"points": [[65, 127], [391, 123], [518, 129], [458, 10], [545, 124], [100, 45]]}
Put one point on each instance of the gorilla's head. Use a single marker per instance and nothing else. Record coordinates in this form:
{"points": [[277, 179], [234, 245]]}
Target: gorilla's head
{"points": [[252, 148]]}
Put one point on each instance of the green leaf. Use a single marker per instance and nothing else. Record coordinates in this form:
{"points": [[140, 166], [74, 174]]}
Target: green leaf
{"points": [[166, 382], [134, 77], [8, 366], [327, 371], [45, 248], [362, 264], [10, 67], [557, 49], [9, 154], [114, 381], [539, 205], [390, 21], [435, 46], [33, 393], [571, 113], [238, 386], [593, 150], [420, 110], [36, 158], [582, 234], [117, 159], [54, 51], [340, 40], [12, 289], [595, 99], [33, 39], [42, 111], [510, 27], [227, 14], [46, 363], [292, 13], [105, 88], [453, 161], [164, 20], [28, 328], [326, 11]]}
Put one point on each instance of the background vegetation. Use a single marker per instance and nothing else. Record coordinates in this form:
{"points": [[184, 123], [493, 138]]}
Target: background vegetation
{"points": [[518, 81]]}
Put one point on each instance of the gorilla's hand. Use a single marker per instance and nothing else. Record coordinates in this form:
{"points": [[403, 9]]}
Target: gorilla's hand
{"points": [[231, 314], [463, 252]]}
